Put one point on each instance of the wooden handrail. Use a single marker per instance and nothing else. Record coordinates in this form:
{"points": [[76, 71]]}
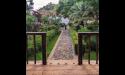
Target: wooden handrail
{"points": [[81, 33], [81, 48], [35, 33], [43, 37]]}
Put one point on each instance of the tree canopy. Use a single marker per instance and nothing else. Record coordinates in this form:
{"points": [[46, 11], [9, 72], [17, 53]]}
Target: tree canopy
{"points": [[78, 8]]}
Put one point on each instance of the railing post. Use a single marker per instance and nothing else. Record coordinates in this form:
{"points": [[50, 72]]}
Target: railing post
{"points": [[80, 52], [97, 48], [34, 41], [44, 49], [89, 43], [27, 48]]}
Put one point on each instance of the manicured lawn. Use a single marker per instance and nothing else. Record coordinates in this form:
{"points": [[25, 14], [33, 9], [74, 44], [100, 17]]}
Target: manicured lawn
{"points": [[92, 55]]}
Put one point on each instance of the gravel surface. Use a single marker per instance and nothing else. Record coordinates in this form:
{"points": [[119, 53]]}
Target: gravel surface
{"points": [[64, 48]]}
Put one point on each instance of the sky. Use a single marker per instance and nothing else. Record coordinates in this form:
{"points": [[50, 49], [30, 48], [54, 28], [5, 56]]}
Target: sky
{"points": [[40, 3]]}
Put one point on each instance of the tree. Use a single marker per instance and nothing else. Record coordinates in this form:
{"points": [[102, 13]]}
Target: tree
{"points": [[29, 22], [78, 10], [49, 6]]}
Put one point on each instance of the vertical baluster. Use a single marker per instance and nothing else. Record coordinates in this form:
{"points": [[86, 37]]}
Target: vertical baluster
{"points": [[27, 48], [89, 45], [97, 47], [44, 49], [34, 41], [80, 52]]}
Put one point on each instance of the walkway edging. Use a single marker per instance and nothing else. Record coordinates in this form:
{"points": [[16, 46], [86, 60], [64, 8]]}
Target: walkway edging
{"points": [[53, 50]]}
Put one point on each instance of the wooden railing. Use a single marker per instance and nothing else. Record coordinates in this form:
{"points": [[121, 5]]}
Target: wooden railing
{"points": [[43, 37], [81, 48]]}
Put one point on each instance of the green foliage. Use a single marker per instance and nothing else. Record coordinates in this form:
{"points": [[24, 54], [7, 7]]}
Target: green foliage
{"points": [[52, 37], [45, 19], [93, 42], [74, 6], [51, 43], [74, 36], [78, 10], [49, 6], [85, 40], [92, 55], [61, 7], [29, 21], [92, 27], [39, 55], [85, 29]]}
